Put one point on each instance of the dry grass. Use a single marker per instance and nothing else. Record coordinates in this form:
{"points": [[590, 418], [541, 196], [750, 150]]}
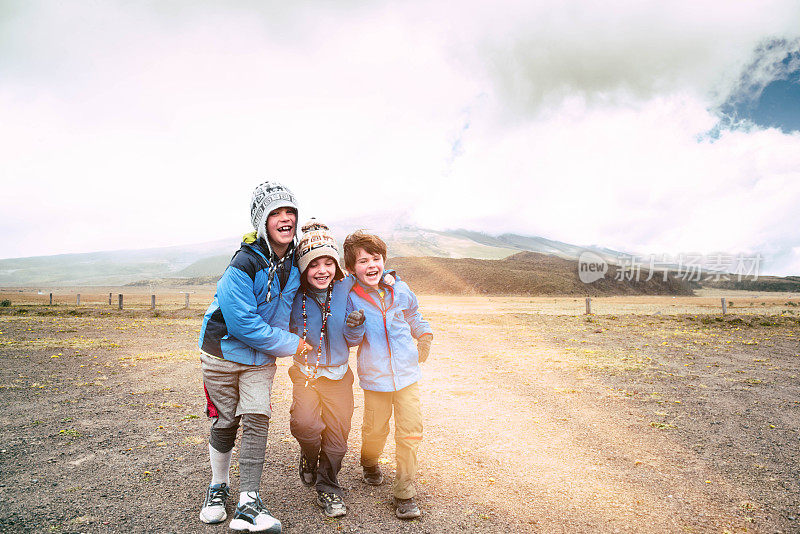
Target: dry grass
{"points": [[707, 303]]}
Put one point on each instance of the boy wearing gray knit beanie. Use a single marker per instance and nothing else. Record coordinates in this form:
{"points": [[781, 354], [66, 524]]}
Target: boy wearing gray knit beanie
{"points": [[244, 329]]}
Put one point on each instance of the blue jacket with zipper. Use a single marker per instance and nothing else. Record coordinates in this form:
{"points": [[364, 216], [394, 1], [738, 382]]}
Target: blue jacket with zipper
{"points": [[241, 325], [335, 350], [387, 356]]}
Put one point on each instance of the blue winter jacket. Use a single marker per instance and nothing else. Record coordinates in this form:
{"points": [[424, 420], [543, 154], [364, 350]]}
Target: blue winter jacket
{"points": [[335, 350], [240, 325], [387, 356]]}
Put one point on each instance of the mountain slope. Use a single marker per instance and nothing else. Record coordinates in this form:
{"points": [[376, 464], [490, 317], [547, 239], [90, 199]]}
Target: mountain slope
{"points": [[210, 259], [108, 267], [524, 273]]}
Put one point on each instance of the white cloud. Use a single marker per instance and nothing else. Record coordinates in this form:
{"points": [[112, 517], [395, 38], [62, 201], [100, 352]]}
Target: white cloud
{"points": [[183, 124], [539, 54], [634, 179]]}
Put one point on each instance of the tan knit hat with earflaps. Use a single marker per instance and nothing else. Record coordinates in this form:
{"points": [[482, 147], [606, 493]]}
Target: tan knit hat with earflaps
{"points": [[317, 241]]}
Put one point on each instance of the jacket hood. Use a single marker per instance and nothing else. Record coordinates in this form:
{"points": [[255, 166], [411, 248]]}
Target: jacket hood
{"points": [[250, 237]]}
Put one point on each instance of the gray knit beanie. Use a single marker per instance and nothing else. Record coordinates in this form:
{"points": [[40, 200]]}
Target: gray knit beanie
{"points": [[267, 197]]}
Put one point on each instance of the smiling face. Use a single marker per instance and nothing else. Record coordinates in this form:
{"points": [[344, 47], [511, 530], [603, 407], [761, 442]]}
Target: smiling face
{"points": [[368, 268], [320, 272], [281, 224]]}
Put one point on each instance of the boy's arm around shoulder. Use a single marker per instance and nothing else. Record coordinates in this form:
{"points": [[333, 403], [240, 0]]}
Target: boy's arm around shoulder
{"points": [[237, 301], [295, 319]]}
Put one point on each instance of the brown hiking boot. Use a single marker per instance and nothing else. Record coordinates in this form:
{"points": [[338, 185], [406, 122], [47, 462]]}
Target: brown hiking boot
{"points": [[406, 508], [372, 475]]}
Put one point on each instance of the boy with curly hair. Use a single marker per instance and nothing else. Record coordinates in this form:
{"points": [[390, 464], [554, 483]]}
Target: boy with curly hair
{"points": [[384, 319]]}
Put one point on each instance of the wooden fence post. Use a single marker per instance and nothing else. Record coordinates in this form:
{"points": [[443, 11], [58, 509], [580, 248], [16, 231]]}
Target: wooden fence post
{"points": [[152, 302], [588, 306], [724, 306], [187, 300], [51, 299], [109, 299], [78, 300], [120, 301]]}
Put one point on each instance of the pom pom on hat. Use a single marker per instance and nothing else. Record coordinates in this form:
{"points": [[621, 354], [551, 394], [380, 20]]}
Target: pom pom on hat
{"points": [[313, 224]]}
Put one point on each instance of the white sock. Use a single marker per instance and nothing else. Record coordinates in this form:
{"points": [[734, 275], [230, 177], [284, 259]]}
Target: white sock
{"points": [[247, 496], [220, 465]]}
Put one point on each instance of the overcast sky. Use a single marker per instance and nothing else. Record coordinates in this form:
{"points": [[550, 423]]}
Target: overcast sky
{"points": [[650, 127]]}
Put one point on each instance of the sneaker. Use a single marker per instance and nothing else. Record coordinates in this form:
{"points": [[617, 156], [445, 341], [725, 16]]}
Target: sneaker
{"points": [[308, 471], [406, 508], [213, 510], [372, 475], [254, 517], [332, 504]]}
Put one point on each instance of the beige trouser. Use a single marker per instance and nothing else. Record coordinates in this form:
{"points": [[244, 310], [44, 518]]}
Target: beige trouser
{"points": [[378, 407]]}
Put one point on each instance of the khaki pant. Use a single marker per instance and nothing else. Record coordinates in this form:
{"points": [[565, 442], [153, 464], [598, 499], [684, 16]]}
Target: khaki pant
{"points": [[378, 407]]}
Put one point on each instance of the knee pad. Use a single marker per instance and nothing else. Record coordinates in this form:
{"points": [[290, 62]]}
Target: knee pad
{"points": [[256, 423], [223, 439]]}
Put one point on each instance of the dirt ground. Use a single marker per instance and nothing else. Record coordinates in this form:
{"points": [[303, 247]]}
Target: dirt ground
{"points": [[536, 421]]}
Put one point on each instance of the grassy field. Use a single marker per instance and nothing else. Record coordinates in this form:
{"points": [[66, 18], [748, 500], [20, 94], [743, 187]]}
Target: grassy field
{"points": [[654, 415], [706, 301], [96, 297]]}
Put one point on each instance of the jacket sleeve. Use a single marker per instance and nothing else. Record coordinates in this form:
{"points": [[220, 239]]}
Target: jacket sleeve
{"points": [[419, 326], [353, 335], [295, 324], [237, 301]]}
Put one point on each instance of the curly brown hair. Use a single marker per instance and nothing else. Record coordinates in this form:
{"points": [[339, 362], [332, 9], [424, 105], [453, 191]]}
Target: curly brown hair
{"points": [[360, 239]]}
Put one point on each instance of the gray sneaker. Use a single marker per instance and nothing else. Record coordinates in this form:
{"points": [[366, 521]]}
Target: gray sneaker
{"points": [[213, 510], [254, 517], [308, 471], [332, 504]]}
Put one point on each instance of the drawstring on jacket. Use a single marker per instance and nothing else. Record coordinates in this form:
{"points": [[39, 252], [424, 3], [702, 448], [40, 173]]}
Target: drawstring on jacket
{"points": [[251, 238]]}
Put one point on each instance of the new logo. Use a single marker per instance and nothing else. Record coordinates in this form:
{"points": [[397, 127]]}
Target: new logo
{"points": [[591, 267]]}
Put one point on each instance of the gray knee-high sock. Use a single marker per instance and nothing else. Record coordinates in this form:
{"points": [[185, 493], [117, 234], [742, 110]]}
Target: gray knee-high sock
{"points": [[220, 465], [252, 451]]}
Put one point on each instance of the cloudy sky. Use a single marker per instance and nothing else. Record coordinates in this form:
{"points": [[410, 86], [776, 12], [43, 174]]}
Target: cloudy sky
{"points": [[643, 126]]}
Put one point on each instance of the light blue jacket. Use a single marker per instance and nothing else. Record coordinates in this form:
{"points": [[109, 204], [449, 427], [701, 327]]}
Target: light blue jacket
{"points": [[241, 325], [335, 350], [387, 356]]}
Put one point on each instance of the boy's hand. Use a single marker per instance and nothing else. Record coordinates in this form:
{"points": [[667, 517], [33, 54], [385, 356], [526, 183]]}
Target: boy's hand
{"points": [[424, 346], [356, 318], [303, 348]]}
